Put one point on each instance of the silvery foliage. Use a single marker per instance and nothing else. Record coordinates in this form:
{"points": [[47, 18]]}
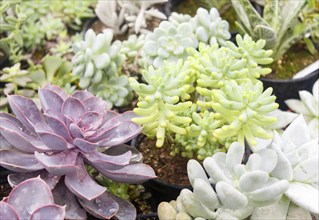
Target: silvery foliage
{"points": [[123, 15], [31, 199], [131, 49], [308, 106], [239, 188], [297, 163], [97, 60], [169, 41]]}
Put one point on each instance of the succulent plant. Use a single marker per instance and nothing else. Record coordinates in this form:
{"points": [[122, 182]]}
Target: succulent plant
{"points": [[18, 206], [215, 96], [250, 185], [209, 27], [177, 18], [59, 139], [168, 42], [308, 106], [122, 16], [131, 48], [297, 163]]}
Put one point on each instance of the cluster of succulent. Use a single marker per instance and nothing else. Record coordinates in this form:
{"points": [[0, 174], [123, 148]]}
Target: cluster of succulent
{"points": [[308, 106], [128, 16], [278, 180], [98, 62], [170, 40], [58, 140], [18, 206], [212, 99], [279, 24]]}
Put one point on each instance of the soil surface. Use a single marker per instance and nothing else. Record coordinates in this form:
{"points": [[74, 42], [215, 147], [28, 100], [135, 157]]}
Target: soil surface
{"points": [[171, 169], [5, 189]]}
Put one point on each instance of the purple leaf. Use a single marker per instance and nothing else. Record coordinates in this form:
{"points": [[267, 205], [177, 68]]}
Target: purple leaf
{"points": [[94, 104], [63, 196], [8, 212], [103, 206], [126, 209], [17, 178], [57, 90], [30, 195], [121, 134], [126, 116], [73, 108], [58, 127], [81, 184], [103, 131], [26, 111], [133, 173], [50, 100], [109, 115], [108, 162], [85, 146], [19, 162], [82, 95], [49, 138], [54, 212], [60, 163], [136, 157], [91, 120], [75, 131]]}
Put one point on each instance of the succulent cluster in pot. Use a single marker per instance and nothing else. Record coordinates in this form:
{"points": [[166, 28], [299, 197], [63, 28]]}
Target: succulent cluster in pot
{"points": [[59, 140], [278, 181], [208, 101]]}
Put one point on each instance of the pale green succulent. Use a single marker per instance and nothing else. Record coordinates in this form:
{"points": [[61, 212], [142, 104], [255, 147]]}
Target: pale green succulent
{"points": [[209, 27], [244, 107], [308, 106], [239, 188], [177, 18], [96, 57], [162, 100], [168, 43]]}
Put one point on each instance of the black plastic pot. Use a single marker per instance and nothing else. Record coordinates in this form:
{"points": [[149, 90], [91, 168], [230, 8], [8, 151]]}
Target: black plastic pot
{"points": [[289, 88], [151, 216]]}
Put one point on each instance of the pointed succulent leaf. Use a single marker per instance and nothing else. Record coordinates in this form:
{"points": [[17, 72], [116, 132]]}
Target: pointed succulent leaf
{"points": [[50, 100]]}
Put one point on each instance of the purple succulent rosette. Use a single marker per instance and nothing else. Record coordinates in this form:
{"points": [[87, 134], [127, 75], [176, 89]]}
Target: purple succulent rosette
{"points": [[32, 199], [57, 141]]}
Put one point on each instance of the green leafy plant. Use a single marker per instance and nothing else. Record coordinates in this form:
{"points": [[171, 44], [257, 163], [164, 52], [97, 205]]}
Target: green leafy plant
{"points": [[210, 100], [279, 25]]}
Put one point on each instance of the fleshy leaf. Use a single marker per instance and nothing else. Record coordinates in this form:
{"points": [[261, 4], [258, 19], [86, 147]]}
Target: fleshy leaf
{"points": [[52, 140], [102, 206], [55, 212], [50, 100], [8, 212]]}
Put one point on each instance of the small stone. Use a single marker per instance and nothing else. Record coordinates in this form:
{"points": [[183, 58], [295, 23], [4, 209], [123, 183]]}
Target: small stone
{"points": [[166, 211]]}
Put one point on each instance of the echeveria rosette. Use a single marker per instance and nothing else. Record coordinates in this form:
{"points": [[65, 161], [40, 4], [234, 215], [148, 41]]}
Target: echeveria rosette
{"points": [[250, 185], [31, 199], [253, 53], [245, 109], [96, 57], [168, 43], [308, 106], [66, 133], [297, 163], [209, 27], [162, 100]]}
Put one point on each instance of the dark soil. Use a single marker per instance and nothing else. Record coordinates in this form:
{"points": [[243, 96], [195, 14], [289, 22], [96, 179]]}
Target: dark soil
{"points": [[5, 189], [171, 169]]}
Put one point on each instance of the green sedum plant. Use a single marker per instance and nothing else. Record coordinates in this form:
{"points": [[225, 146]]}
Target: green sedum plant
{"points": [[279, 25], [209, 101]]}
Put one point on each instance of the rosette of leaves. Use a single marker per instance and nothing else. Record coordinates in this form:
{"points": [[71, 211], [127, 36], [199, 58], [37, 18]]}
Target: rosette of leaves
{"points": [[131, 16], [297, 163], [253, 53], [96, 57], [209, 27], [161, 100], [250, 185], [168, 43], [308, 106], [244, 108], [57, 141], [18, 206], [177, 18]]}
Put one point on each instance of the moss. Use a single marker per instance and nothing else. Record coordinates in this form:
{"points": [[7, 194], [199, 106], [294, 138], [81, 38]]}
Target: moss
{"points": [[294, 60]]}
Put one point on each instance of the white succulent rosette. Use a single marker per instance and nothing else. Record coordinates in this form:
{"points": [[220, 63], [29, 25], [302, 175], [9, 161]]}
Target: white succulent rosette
{"points": [[308, 106], [298, 164], [239, 188]]}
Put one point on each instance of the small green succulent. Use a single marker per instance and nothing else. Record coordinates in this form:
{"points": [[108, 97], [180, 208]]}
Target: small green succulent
{"points": [[208, 101]]}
